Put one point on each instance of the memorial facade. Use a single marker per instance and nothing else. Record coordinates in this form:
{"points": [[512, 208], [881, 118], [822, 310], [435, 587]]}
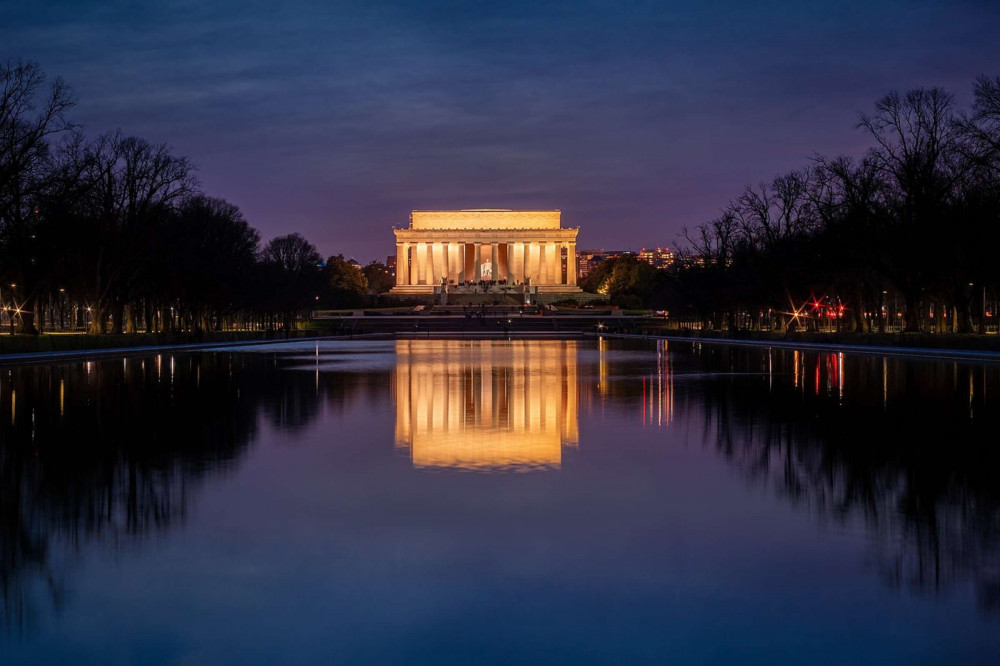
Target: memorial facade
{"points": [[485, 251]]}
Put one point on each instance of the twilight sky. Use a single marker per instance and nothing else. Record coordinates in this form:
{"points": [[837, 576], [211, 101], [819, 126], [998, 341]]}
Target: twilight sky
{"points": [[335, 119]]}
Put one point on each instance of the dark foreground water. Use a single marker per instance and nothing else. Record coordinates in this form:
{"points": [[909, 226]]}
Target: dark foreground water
{"points": [[500, 502]]}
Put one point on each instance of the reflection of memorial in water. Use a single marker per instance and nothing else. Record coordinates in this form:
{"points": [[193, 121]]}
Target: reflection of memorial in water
{"points": [[480, 405]]}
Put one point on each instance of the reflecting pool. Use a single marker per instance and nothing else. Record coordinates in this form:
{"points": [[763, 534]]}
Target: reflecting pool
{"points": [[498, 502]]}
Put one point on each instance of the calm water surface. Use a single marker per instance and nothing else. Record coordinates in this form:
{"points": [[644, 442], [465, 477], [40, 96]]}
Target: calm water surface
{"points": [[500, 502]]}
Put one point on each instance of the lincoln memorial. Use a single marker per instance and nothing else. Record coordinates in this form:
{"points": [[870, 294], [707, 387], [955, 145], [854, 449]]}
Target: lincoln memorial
{"points": [[491, 251]]}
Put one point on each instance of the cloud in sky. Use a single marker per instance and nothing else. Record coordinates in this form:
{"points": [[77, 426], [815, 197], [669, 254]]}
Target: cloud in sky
{"points": [[336, 118]]}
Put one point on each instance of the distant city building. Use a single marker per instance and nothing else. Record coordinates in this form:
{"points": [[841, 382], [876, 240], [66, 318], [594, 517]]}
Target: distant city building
{"points": [[690, 261], [390, 265], [589, 259], [660, 257]]}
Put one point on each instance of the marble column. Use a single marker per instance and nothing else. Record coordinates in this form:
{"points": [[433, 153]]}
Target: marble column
{"points": [[517, 262], [399, 261], [428, 267], [451, 266], [560, 277], [440, 265], [454, 262], [549, 271], [461, 263], [403, 269], [571, 263], [420, 263], [431, 267], [478, 263]]}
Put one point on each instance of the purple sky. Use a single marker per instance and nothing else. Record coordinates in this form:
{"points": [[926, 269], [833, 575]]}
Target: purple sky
{"points": [[335, 119]]}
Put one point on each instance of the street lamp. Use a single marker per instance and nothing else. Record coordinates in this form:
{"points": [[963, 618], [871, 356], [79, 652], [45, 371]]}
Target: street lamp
{"points": [[984, 309], [62, 309], [15, 309]]}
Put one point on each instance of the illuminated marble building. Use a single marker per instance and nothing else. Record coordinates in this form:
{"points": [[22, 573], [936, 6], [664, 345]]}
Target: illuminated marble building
{"points": [[476, 405], [501, 251]]}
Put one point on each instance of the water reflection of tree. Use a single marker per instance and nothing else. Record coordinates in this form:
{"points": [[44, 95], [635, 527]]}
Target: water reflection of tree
{"points": [[110, 451], [906, 447]]}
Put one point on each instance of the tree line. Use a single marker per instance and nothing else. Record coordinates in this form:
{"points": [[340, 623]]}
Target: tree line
{"points": [[906, 233], [113, 233]]}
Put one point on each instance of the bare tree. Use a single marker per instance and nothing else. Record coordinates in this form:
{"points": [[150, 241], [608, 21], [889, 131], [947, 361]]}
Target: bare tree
{"points": [[132, 182], [31, 115], [983, 125], [775, 211], [715, 241], [292, 253], [919, 148], [295, 278]]}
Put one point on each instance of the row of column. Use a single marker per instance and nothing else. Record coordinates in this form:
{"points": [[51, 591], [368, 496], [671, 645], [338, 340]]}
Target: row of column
{"points": [[426, 263]]}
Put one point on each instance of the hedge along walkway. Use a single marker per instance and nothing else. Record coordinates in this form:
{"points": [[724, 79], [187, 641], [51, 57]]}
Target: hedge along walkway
{"points": [[940, 353]]}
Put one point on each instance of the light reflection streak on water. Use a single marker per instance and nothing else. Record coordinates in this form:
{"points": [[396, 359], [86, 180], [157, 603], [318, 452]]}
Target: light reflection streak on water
{"points": [[602, 369], [971, 392], [659, 397], [840, 375], [885, 382], [770, 369], [796, 360], [817, 374]]}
